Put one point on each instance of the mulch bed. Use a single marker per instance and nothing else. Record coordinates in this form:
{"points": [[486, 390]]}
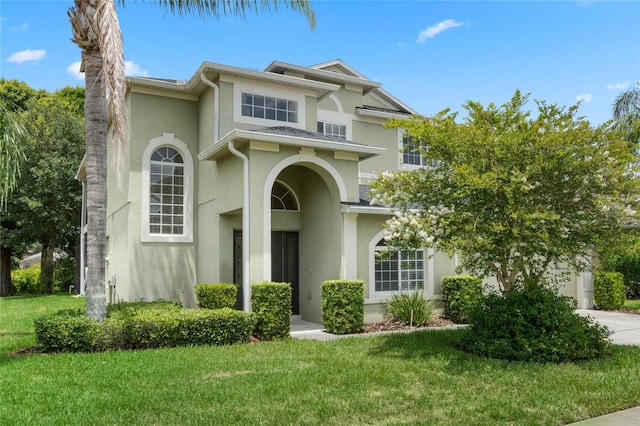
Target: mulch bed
{"points": [[394, 325]]}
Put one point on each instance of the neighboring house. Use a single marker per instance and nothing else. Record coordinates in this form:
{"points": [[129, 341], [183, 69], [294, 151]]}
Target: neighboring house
{"points": [[242, 176]]}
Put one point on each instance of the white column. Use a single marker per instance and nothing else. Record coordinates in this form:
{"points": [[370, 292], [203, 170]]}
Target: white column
{"points": [[350, 245]]}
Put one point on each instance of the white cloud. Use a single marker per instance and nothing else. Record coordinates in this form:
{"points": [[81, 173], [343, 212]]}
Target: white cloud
{"points": [[133, 69], [436, 29], [618, 86], [27, 56], [23, 27], [74, 70], [585, 99]]}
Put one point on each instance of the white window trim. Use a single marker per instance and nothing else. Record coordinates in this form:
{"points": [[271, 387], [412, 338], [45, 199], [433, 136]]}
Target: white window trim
{"points": [[167, 139], [337, 118], [240, 87], [384, 296], [404, 165]]}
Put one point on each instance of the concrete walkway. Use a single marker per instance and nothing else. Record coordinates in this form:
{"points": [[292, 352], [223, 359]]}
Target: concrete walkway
{"points": [[625, 328]]}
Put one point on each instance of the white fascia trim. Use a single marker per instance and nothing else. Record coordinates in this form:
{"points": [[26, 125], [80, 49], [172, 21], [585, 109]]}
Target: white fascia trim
{"points": [[393, 99], [245, 135], [379, 114], [81, 174], [329, 75], [386, 211], [320, 87]]}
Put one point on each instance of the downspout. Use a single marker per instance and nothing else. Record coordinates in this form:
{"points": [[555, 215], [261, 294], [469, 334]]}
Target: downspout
{"points": [[246, 289]]}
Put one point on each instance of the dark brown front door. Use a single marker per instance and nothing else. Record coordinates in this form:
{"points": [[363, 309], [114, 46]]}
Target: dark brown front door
{"points": [[284, 264]]}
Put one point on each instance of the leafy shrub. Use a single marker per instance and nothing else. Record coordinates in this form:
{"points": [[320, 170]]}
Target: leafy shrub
{"points": [[343, 306], [26, 281], [460, 294], [158, 328], [535, 325], [158, 325], [628, 264], [217, 296], [67, 330], [271, 305], [410, 308], [608, 290], [127, 309], [64, 273]]}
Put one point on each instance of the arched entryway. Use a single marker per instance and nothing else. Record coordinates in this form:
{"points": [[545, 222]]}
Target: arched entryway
{"points": [[305, 240]]}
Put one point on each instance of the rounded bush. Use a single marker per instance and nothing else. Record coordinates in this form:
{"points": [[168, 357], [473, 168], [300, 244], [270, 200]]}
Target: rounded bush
{"points": [[271, 305], [460, 294], [26, 281], [535, 325], [410, 308], [608, 290], [343, 306]]}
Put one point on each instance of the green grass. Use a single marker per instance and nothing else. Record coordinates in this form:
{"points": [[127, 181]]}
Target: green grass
{"points": [[395, 379], [632, 305]]}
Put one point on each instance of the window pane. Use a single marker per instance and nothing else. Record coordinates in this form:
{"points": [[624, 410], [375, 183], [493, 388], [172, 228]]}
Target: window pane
{"points": [[281, 116], [270, 114]]}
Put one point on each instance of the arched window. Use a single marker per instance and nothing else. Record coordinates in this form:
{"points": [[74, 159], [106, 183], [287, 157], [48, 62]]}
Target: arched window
{"points": [[398, 270], [166, 192], [282, 197]]}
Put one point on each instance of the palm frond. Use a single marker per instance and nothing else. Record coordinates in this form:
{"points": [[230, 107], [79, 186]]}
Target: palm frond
{"points": [[11, 155], [627, 102], [110, 44], [217, 8]]}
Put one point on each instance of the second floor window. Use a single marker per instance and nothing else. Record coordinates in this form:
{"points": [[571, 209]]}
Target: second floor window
{"points": [[332, 129], [411, 153], [269, 108]]}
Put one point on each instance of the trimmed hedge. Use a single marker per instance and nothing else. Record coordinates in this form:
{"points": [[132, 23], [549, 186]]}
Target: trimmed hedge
{"points": [[163, 329], [460, 294], [271, 305], [216, 296], [343, 306], [608, 290], [158, 325], [535, 325], [628, 264], [67, 330]]}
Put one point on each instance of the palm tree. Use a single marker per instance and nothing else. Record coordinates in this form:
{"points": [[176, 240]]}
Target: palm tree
{"points": [[626, 113], [96, 31]]}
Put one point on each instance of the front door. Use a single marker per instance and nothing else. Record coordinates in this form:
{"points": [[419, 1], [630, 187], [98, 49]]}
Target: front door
{"points": [[284, 264]]}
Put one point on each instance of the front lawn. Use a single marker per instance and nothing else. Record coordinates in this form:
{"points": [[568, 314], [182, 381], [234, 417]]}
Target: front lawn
{"points": [[415, 378], [632, 305]]}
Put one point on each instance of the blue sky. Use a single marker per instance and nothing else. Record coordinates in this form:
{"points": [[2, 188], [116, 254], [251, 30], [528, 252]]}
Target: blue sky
{"points": [[429, 54]]}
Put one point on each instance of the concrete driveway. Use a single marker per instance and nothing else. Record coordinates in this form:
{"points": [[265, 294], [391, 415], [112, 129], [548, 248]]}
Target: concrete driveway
{"points": [[625, 327]]}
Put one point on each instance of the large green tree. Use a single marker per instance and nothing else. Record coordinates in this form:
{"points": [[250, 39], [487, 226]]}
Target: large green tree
{"points": [[43, 210], [49, 196], [15, 97], [516, 195], [96, 31]]}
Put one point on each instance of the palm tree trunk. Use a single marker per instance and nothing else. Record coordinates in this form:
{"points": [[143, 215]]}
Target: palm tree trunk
{"points": [[96, 129]]}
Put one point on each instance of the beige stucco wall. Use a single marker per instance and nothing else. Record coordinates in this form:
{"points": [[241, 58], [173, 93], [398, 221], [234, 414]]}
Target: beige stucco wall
{"points": [[138, 266]]}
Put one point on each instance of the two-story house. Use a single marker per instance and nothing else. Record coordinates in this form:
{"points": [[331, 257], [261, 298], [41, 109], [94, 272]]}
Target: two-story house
{"points": [[238, 175]]}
